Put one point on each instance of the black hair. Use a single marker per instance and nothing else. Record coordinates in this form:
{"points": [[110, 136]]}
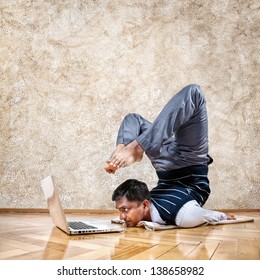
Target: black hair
{"points": [[133, 190]]}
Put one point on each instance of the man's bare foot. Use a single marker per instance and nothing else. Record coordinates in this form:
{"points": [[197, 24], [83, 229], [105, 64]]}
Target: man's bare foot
{"points": [[111, 168], [119, 147], [126, 155]]}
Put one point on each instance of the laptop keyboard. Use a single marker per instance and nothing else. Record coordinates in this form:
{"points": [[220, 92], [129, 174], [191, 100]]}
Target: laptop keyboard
{"points": [[80, 225]]}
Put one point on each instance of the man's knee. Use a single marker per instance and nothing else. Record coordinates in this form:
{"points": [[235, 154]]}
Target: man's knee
{"points": [[194, 87], [197, 94]]}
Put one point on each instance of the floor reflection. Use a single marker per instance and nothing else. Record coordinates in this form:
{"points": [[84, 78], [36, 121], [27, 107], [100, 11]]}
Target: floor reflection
{"points": [[134, 243], [89, 246]]}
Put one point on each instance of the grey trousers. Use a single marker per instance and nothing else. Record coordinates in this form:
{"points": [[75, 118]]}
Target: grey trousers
{"points": [[179, 135]]}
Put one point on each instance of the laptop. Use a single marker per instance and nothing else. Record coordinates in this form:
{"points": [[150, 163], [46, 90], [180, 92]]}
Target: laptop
{"points": [[72, 227]]}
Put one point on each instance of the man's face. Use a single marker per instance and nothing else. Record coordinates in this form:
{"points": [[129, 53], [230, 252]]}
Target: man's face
{"points": [[132, 212]]}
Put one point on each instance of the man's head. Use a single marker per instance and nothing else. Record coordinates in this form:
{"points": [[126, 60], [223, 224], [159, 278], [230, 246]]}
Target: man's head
{"points": [[133, 201]]}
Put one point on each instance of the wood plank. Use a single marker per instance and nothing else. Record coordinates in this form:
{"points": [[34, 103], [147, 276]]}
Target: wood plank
{"points": [[227, 250], [129, 252], [179, 252], [203, 251], [248, 250], [151, 253], [5, 255]]}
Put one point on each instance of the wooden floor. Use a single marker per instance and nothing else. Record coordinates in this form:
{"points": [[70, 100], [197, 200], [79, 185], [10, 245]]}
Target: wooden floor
{"points": [[33, 237]]}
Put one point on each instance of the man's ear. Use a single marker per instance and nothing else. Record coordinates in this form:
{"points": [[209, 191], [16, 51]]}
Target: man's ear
{"points": [[146, 204]]}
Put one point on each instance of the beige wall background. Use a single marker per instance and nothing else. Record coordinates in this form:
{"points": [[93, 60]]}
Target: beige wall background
{"points": [[71, 70]]}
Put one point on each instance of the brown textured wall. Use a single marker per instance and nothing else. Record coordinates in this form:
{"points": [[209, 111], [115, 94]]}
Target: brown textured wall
{"points": [[70, 71]]}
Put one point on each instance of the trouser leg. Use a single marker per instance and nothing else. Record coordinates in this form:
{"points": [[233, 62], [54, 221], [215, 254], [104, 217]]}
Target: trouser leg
{"points": [[176, 117]]}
